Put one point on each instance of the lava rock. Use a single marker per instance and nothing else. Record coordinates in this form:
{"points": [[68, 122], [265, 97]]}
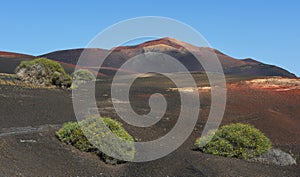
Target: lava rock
{"points": [[277, 157]]}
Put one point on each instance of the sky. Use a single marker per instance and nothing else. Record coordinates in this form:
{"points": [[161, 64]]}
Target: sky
{"points": [[268, 31]]}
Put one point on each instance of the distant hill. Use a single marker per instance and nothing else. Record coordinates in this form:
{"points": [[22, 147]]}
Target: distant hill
{"points": [[115, 57], [9, 62]]}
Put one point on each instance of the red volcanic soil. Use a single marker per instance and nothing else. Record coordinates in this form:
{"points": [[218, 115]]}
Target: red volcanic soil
{"points": [[176, 44], [272, 110]]}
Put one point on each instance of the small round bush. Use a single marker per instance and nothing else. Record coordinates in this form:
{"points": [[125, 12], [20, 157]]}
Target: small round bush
{"points": [[72, 133], [61, 79], [49, 64], [82, 76], [234, 140], [43, 71]]}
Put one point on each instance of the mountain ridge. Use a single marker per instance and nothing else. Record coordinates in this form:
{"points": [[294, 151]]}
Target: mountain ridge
{"points": [[182, 51]]}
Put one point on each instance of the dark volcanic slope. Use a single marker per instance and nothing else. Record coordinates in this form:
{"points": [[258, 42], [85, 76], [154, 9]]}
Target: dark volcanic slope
{"points": [[72, 56], [14, 55], [9, 61], [177, 49], [8, 65]]}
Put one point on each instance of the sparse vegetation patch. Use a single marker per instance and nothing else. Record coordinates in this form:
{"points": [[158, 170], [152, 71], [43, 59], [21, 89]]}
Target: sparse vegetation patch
{"points": [[43, 72], [234, 140], [72, 133], [82, 76]]}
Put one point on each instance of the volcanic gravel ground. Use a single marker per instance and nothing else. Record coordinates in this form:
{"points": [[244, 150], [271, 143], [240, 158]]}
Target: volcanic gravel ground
{"points": [[30, 117]]}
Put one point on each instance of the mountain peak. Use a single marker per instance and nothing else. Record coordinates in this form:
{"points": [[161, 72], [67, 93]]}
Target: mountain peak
{"points": [[168, 42], [170, 39]]}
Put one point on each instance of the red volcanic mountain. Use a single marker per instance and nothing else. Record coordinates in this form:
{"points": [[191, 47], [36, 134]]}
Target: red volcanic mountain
{"points": [[116, 57]]}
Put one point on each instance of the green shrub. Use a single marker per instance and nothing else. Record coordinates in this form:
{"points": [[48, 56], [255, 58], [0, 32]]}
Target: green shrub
{"points": [[61, 80], [81, 76], [54, 73], [50, 64], [234, 140], [71, 133]]}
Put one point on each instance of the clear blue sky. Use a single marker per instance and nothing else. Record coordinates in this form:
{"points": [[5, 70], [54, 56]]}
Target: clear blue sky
{"points": [[268, 31]]}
